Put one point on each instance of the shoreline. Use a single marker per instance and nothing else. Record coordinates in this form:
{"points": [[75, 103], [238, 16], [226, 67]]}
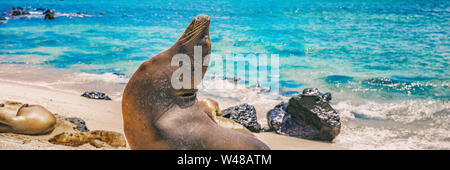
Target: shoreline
{"points": [[366, 124], [103, 115]]}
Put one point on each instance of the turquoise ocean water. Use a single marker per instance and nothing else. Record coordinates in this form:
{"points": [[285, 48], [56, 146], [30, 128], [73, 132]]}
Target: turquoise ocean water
{"points": [[386, 62]]}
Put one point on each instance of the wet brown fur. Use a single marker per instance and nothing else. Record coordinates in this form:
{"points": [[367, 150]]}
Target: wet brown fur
{"points": [[157, 116]]}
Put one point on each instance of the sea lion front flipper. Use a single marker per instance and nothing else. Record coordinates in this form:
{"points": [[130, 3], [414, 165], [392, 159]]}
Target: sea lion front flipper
{"points": [[230, 124], [212, 109]]}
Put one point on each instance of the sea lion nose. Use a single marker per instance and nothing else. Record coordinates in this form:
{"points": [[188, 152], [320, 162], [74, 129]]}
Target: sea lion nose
{"points": [[2, 105], [202, 17]]}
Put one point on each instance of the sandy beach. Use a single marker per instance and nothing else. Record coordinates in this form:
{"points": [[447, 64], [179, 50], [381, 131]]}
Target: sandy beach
{"points": [[380, 66], [100, 115]]}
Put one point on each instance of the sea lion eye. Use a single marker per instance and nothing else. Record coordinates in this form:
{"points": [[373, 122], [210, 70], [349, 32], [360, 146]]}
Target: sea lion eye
{"points": [[2, 105]]}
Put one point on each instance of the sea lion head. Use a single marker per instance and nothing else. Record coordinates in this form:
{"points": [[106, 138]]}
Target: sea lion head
{"points": [[151, 89], [9, 106], [195, 35]]}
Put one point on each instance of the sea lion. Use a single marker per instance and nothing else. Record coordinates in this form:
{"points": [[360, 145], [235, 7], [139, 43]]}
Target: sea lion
{"points": [[211, 108], [29, 120], [96, 138], [158, 116]]}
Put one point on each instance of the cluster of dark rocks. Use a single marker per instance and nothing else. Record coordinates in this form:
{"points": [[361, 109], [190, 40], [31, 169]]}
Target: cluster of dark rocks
{"points": [[96, 95], [18, 11], [308, 115]]}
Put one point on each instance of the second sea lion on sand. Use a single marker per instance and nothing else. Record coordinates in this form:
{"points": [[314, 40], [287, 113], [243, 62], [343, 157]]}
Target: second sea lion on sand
{"points": [[29, 120], [211, 107], [96, 138]]}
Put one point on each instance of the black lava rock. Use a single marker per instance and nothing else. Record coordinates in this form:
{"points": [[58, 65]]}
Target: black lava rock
{"points": [[326, 97], [96, 95], [243, 114], [49, 14], [283, 123], [16, 11], [307, 115], [119, 74], [314, 109], [79, 123]]}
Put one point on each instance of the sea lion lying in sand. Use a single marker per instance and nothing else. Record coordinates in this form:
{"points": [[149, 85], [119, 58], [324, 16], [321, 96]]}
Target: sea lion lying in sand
{"points": [[96, 138], [211, 107], [158, 116], [35, 123], [29, 120]]}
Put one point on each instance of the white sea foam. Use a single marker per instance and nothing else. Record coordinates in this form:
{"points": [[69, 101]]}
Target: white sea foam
{"points": [[70, 15], [106, 77], [399, 111], [411, 124]]}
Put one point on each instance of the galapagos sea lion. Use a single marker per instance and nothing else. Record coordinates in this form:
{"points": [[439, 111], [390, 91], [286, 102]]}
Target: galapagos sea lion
{"points": [[212, 109], [96, 138], [158, 116], [29, 120]]}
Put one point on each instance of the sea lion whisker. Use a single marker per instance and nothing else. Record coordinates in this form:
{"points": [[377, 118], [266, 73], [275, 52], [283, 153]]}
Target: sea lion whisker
{"points": [[198, 25], [196, 34], [194, 31], [189, 36], [190, 33]]}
